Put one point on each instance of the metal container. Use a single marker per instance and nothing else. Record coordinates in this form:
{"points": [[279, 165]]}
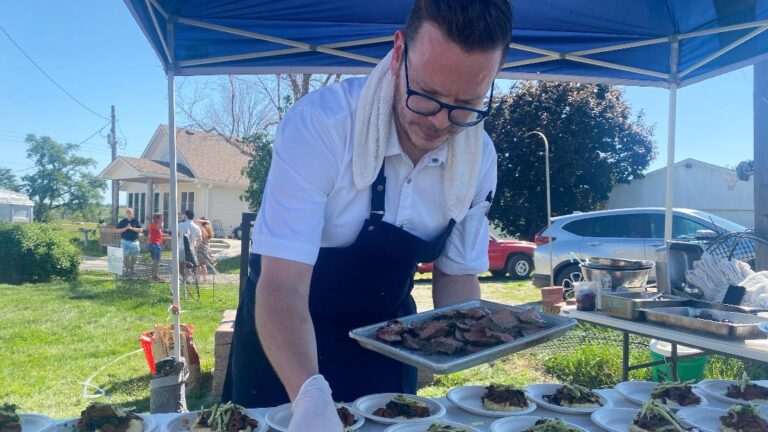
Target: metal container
{"points": [[613, 278], [614, 263], [554, 327], [741, 326], [629, 305]]}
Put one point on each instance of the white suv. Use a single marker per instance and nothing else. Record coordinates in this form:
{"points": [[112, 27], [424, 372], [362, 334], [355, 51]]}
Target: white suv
{"points": [[633, 234]]}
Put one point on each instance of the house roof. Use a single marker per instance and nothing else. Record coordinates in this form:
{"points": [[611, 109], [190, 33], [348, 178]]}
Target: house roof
{"points": [[690, 161], [209, 156], [147, 166], [14, 198]]}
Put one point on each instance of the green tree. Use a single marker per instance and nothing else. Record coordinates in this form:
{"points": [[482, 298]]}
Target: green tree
{"points": [[595, 142], [62, 180], [8, 180], [260, 146]]}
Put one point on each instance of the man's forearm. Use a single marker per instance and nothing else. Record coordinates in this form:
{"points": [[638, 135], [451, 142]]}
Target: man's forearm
{"points": [[285, 328], [452, 289]]}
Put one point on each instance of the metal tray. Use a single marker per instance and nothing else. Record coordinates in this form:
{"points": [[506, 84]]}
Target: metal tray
{"points": [[724, 307], [555, 326], [629, 305], [742, 326]]}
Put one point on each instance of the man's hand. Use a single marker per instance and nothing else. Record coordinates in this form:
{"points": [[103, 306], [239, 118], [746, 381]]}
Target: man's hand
{"points": [[313, 409]]}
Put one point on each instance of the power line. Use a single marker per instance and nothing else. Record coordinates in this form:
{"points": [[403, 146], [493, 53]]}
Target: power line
{"points": [[48, 76], [93, 134]]}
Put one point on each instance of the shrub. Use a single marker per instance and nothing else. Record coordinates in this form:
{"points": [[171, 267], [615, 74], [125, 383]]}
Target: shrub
{"points": [[594, 366], [35, 253]]}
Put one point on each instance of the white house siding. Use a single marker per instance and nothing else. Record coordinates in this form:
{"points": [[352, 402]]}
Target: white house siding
{"points": [[698, 185], [225, 205]]}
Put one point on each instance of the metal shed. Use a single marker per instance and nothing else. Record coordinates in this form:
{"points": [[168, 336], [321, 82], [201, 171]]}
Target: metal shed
{"points": [[15, 207]]}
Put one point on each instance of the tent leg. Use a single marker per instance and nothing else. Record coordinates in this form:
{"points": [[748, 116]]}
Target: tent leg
{"points": [[173, 215], [670, 163]]}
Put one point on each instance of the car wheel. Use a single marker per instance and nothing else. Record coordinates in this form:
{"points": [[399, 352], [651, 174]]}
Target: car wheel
{"points": [[566, 273], [519, 267], [237, 232]]}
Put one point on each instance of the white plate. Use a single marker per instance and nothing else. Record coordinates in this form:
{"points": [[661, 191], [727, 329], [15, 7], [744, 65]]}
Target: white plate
{"points": [[469, 398], [521, 423], [279, 418], [536, 393], [716, 389], [705, 419], [35, 422], [366, 405], [639, 392], [182, 422], [150, 424], [422, 427], [614, 419]]}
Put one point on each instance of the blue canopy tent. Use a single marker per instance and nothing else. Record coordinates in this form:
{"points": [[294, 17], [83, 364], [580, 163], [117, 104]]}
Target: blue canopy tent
{"points": [[661, 43]]}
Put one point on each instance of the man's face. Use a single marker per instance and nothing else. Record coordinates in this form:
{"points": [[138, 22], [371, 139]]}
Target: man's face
{"points": [[438, 68], [129, 214]]}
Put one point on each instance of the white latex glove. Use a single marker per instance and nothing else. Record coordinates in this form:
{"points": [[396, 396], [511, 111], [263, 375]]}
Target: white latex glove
{"points": [[314, 409]]}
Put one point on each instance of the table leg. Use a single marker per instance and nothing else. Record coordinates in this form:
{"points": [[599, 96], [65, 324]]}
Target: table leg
{"points": [[625, 358], [673, 366]]}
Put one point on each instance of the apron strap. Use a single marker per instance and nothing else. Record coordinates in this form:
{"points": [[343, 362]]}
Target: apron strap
{"points": [[378, 195]]}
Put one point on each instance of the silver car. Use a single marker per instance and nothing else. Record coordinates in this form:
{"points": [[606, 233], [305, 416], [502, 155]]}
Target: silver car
{"points": [[627, 233]]}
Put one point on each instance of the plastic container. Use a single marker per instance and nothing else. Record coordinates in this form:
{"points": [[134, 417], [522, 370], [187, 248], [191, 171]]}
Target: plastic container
{"points": [[687, 368], [586, 295]]}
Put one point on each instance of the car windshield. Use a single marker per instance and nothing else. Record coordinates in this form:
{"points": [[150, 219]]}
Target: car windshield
{"points": [[723, 223]]}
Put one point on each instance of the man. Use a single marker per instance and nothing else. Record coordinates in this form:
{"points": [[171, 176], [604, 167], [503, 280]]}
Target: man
{"points": [[369, 177], [129, 229], [155, 244], [188, 228]]}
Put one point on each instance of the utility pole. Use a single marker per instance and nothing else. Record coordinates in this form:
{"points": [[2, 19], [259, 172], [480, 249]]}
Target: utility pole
{"points": [[115, 183], [760, 103]]}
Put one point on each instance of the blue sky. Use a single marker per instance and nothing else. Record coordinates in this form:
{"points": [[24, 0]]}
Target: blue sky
{"points": [[94, 49]]}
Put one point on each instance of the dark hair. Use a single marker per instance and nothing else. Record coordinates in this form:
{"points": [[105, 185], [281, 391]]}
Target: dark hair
{"points": [[190, 214], [156, 216], [474, 25]]}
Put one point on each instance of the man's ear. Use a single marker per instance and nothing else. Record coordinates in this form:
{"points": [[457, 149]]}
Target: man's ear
{"points": [[397, 52]]}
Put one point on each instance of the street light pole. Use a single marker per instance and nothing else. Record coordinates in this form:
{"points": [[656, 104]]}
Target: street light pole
{"points": [[549, 204]]}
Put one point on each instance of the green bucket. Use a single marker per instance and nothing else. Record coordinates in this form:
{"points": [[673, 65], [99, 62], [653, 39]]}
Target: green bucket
{"points": [[687, 368]]}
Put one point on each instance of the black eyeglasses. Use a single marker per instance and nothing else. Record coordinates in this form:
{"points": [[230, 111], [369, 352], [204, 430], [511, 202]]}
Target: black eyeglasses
{"points": [[426, 105]]}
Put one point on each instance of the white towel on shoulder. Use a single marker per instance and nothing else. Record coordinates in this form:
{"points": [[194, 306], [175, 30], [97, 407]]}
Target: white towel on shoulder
{"points": [[373, 130]]}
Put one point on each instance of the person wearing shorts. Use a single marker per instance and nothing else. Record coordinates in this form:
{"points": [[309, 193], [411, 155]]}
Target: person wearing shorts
{"points": [[155, 244], [129, 229]]}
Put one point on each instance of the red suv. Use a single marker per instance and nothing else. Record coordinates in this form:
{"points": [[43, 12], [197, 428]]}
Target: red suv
{"points": [[513, 257]]}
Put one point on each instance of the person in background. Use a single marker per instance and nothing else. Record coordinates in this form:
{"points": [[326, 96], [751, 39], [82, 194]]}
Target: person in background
{"points": [[155, 244], [204, 256], [187, 227], [129, 229]]}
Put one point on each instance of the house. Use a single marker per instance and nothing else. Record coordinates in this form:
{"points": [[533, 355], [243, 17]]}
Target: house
{"points": [[15, 207], [698, 185], [209, 178]]}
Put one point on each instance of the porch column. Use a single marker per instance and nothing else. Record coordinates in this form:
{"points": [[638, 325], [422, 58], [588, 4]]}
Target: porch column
{"points": [[148, 210]]}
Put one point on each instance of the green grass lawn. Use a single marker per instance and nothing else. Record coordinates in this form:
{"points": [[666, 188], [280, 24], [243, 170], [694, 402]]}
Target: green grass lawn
{"points": [[229, 265], [71, 230]]}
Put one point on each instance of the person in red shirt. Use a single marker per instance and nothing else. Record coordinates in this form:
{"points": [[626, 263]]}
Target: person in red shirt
{"points": [[155, 243]]}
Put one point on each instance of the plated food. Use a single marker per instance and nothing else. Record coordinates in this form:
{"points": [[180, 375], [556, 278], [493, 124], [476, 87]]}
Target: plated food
{"points": [[533, 424], [392, 408], [438, 426], [747, 391], [279, 418], [504, 400], [462, 331], [574, 396], [498, 397], [655, 417], [674, 395], [228, 417], [104, 417], [680, 393], [9, 418], [743, 418], [566, 398], [403, 407]]}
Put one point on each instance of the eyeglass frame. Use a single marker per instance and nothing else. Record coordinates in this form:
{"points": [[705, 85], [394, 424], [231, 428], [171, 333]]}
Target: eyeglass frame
{"points": [[442, 105]]}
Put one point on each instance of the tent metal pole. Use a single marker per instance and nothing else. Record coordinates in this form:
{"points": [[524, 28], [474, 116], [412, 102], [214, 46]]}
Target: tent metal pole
{"points": [[173, 213], [670, 190], [157, 29], [742, 40]]}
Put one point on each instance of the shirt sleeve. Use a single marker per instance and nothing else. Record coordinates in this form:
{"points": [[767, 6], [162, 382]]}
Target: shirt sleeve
{"points": [[467, 248], [122, 224], [305, 165]]}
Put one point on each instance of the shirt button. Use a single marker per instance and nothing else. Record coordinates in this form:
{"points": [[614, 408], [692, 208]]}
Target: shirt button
{"points": [[435, 160], [410, 180]]}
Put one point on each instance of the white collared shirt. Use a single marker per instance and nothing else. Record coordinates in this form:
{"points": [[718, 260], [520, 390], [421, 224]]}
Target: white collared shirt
{"points": [[311, 201]]}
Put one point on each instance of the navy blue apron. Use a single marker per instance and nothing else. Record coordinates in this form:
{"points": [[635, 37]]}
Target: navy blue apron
{"points": [[367, 282]]}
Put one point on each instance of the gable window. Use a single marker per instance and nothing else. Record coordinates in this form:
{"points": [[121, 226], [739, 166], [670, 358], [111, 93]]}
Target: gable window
{"points": [[138, 202]]}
